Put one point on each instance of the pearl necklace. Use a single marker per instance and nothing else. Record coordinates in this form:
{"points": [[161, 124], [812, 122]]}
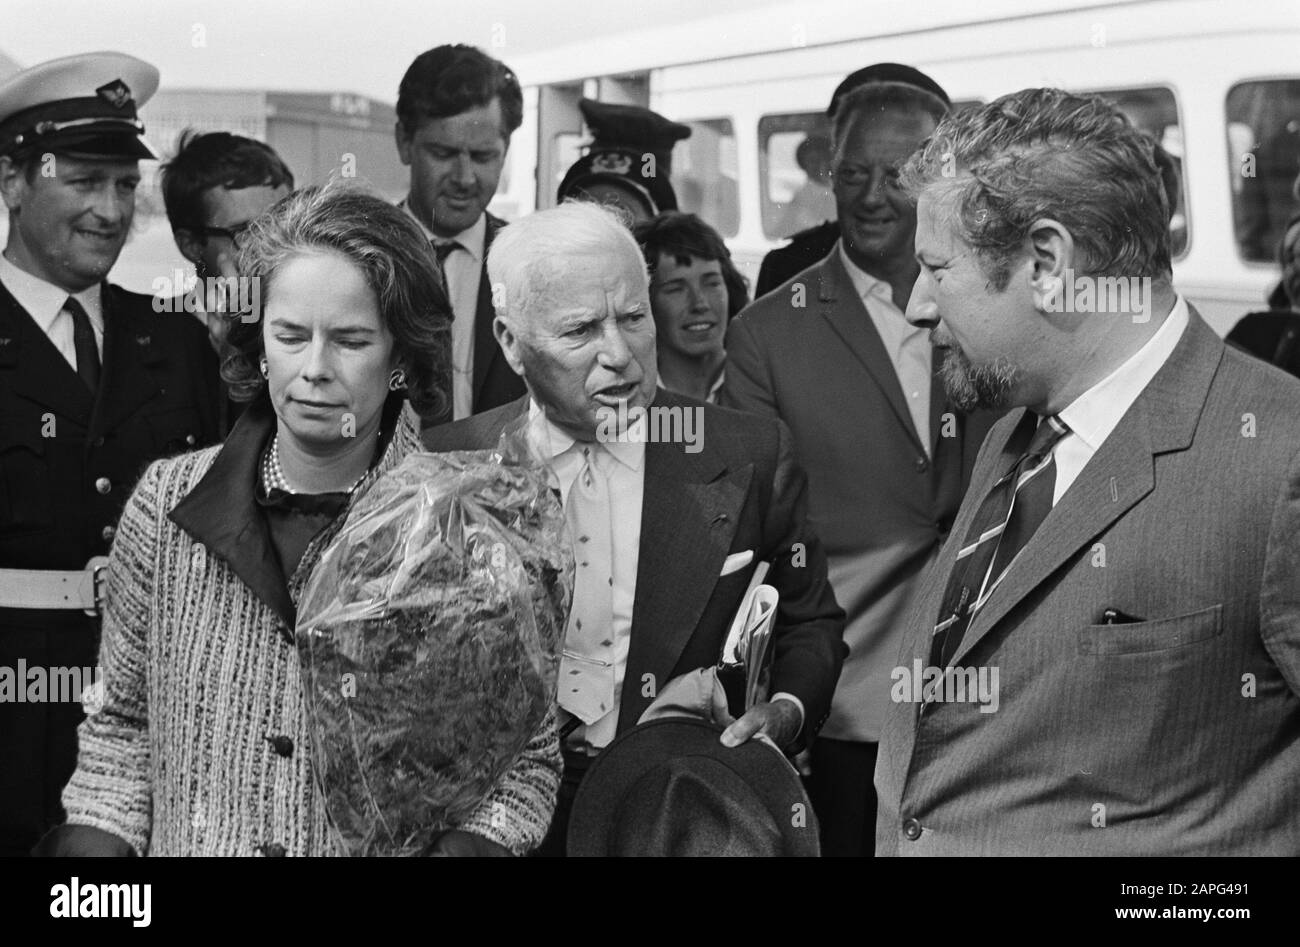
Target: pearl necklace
{"points": [[273, 476]]}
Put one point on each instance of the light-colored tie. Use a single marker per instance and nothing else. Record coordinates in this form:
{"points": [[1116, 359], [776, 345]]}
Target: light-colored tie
{"points": [[587, 669]]}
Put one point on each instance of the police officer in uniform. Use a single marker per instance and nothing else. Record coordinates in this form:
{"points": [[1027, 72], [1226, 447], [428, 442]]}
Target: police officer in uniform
{"points": [[94, 384]]}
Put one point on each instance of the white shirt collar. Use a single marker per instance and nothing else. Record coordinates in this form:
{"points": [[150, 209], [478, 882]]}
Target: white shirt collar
{"points": [[1095, 413], [863, 282], [44, 301], [471, 239], [550, 443]]}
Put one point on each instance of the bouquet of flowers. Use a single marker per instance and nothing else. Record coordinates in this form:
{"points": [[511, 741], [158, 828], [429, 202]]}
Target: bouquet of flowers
{"points": [[430, 633]]}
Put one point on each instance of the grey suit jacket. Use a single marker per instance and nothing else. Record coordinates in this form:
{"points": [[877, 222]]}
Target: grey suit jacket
{"points": [[809, 354], [742, 491], [1176, 734]]}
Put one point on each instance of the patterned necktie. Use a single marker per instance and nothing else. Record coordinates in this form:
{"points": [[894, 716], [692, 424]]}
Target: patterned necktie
{"points": [[83, 343], [441, 250], [1009, 515], [587, 669]]}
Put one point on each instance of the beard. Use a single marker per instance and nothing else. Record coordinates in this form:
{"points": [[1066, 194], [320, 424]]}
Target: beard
{"points": [[969, 386]]}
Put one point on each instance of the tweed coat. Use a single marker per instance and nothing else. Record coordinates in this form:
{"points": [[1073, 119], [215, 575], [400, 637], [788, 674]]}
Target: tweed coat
{"points": [[202, 678]]}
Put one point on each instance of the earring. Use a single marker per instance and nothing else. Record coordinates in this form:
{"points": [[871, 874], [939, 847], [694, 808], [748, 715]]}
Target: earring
{"points": [[265, 369], [397, 380]]}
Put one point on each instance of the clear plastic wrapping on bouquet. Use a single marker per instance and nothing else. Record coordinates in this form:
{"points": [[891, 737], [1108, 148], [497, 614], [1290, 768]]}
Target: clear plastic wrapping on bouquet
{"points": [[430, 632]]}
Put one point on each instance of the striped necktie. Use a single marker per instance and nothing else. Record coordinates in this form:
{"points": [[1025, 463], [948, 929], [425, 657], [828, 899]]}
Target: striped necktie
{"points": [[83, 343], [1014, 508]]}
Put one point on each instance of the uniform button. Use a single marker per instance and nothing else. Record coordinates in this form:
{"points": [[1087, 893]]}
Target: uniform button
{"points": [[108, 532], [189, 439], [921, 465], [103, 485], [281, 744], [273, 850], [912, 829]]}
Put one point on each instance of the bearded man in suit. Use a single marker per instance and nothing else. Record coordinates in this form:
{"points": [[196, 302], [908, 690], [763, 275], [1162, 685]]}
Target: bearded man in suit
{"points": [[667, 531], [831, 354], [1125, 569]]}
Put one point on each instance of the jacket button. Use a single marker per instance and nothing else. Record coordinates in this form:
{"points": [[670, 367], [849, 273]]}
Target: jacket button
{"points": [[103, 485], [99, 441], [912, 829], [921, 465], [108, 532], [281, 744], [273, 850], [189, 439]]}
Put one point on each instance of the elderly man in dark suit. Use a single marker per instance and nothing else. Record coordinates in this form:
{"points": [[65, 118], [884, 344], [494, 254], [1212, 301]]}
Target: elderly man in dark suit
{"points": [[95, 383], [456, 110], [831, 354], [1121, 585], [668, 529]]}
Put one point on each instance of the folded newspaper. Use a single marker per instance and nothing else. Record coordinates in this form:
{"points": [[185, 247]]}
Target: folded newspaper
{"points": [[748, 649]]}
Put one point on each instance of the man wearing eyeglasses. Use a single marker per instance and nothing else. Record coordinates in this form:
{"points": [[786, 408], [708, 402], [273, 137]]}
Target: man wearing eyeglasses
{"points": [[831, 353], [94, 385], [213, 188]]}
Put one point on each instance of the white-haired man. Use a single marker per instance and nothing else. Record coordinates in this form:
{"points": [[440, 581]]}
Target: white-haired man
{"points": [[667, 531]]}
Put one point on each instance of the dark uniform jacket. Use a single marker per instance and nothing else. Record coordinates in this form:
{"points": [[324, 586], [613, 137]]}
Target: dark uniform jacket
{"points": [[67, 464]]}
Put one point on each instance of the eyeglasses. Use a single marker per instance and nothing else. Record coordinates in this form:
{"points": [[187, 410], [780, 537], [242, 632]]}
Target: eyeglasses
{"points": [[236, 234]]}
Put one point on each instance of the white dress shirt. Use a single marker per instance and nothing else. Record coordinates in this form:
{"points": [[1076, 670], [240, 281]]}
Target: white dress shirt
{"points": [[1097, 412], [44, 303], [623, 463], [464, 271], [908, 346]]}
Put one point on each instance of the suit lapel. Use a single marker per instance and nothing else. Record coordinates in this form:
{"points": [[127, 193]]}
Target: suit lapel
{"points": [[849, 319], [35, 368], [485, 343], [690, 512], [1119, 475], [130, 355]]}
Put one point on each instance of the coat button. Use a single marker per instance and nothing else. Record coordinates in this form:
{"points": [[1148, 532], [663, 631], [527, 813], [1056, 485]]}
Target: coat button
{"points": [[99, 441], [273, 850], [912, 829], [281, 744], [921, 465], [189, 439], [108, 532], [103, 485]]}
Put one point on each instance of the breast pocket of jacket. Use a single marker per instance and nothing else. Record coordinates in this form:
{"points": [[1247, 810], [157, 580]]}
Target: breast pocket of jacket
{"points": [[1145, 637], [25, 499], [174, 430]]}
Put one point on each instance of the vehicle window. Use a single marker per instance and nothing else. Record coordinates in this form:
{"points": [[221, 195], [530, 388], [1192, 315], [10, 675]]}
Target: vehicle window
{"points": [[1155, 111], [705, 175], [1264, 160], [794, 153], [795, 172]]}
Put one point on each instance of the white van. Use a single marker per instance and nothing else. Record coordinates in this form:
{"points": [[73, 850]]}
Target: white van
{"points": [[1216, 81]]}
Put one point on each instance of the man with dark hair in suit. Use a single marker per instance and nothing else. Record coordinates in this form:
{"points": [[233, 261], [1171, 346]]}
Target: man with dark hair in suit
{"points": [[809, 246], [1125, 561], [667, 530], [830, 353], [456, 110], [213, 187], [94, 385]]}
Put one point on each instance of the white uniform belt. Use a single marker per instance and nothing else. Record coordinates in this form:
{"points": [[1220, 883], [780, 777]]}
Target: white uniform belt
{"points": [[51, 588]]}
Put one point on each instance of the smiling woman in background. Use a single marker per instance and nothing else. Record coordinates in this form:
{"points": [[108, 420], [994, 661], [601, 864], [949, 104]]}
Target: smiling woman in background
{"points": [[694, 290], [202, 744]]}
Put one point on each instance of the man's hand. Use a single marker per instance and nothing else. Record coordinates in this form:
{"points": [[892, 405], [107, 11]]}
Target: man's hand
{"points": [[778, 720], [458, 844]]}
